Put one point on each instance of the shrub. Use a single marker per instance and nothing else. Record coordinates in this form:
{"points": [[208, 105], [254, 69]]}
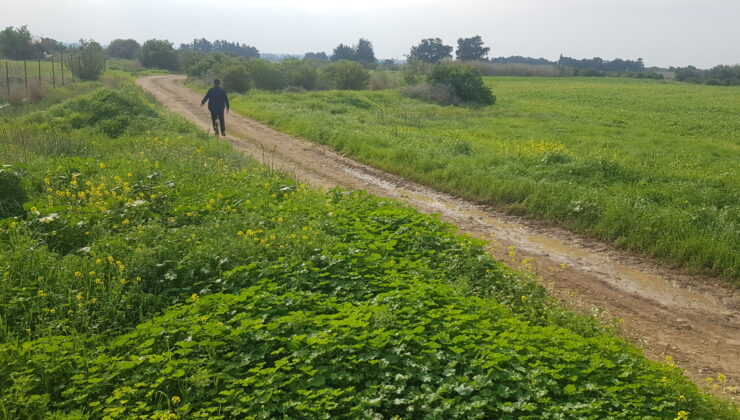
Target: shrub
{"points": [[91, 62], [157, 53], [465, 83], [299, 73], [235, 79], [265, 75], [346, 75]]}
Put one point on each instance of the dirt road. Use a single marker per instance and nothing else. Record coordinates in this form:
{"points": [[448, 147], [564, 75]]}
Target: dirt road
{"points": [[694, 320]]}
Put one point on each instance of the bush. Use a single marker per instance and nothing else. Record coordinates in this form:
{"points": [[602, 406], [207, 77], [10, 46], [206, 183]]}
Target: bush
{"points": [[235, 79], [464, 81], [157, 53], [299, 73], [91, 62], [346, 75], [265, 75]]}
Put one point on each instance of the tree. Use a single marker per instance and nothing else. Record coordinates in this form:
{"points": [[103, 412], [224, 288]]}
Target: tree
{"points": [[364, 53], [471, 49], [223, 46], [123, 48], [321, 56], [157, 53], [430, 50], [15, 43], [91, 62], [345, 74], [343, 52]]}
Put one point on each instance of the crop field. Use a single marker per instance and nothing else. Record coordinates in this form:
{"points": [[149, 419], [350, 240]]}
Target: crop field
{"points": [[650, 166], [148, 271]]}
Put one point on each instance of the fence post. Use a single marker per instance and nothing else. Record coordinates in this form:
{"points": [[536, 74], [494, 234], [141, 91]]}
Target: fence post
{"points": [[79, 64], [61, 64], [39, 73], [71, 66], [25, 75], [7, 77], [53, 75]]}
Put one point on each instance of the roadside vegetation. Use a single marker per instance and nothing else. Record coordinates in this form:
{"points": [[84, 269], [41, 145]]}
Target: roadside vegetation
{"points": [[147, 270], [648, 166]]}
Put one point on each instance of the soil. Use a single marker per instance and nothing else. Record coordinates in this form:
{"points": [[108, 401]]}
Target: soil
{"points": [[664, 311]]}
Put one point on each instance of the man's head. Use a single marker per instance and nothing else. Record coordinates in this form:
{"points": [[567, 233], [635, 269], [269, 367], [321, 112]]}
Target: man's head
{"points": [[216, 82]]}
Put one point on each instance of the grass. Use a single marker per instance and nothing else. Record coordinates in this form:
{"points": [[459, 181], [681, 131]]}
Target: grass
{"points": [[148, 271], [648, 166], [15, 75]]}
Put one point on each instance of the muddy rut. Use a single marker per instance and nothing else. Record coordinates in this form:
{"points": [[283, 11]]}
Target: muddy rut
{"points": [[665, 312]]}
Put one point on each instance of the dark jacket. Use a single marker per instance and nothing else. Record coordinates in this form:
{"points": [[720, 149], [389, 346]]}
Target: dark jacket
{"points": [[217, 99]]}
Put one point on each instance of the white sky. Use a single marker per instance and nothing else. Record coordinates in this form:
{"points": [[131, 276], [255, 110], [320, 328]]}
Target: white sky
{"points": [[703, 33]]}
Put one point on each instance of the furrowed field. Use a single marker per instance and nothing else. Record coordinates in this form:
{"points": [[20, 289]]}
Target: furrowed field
{"points": [[152, 273], [649, 166]]}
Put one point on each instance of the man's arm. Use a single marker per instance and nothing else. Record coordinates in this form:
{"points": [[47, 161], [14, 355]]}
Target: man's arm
{"points": [[205, 98], [226, 97]]}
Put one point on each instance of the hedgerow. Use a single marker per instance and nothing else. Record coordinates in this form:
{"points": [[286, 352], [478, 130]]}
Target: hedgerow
{"points": [[153, 272]]}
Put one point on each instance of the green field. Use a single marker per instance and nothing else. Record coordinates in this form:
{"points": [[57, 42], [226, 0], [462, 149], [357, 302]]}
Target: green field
{"points": [[651, 166], [151, 272]]}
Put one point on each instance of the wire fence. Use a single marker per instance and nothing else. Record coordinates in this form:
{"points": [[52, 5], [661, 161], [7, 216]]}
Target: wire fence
{"points": [[24, 80]]}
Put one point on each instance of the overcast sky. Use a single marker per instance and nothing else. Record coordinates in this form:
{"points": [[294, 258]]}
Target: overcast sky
{"points": [[703, 33]]}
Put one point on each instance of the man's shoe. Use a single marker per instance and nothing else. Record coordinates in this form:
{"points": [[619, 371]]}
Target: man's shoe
{"points": [[223, 133]]}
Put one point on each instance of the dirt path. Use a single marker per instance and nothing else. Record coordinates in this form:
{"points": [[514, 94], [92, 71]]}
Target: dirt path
{"points": [[667, 313]]}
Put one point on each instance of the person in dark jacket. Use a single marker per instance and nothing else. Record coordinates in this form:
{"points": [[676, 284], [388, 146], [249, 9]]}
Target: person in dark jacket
{"points": [[217, 101]]}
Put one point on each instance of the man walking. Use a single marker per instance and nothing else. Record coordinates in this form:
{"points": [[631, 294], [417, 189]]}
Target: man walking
{"points": [[217, 101]]}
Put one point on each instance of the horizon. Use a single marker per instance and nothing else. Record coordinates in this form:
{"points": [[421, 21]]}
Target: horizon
{"points": [[663, 33]]}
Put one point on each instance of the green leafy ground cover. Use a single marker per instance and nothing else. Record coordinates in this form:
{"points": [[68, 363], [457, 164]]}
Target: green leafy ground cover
{"points": [[153, 273], [649, 166]]}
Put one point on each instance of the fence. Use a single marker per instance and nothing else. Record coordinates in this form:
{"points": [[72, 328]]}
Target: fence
{"points": [[22, 80]]}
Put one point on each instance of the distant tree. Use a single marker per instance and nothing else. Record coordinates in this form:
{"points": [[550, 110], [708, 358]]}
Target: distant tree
{"points": [[91, 62], [343, 52], [688, 74], [51, 46], [430, 50], [320, 56], [518, 59], [471, 49], [16, 44], [364, 53], [597, 63], [223, 46], [347, 75], [123, 48], [157, 53]]}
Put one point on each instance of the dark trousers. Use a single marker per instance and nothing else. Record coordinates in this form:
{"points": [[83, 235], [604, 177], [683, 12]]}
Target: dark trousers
{"points": [[218, 115]]}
